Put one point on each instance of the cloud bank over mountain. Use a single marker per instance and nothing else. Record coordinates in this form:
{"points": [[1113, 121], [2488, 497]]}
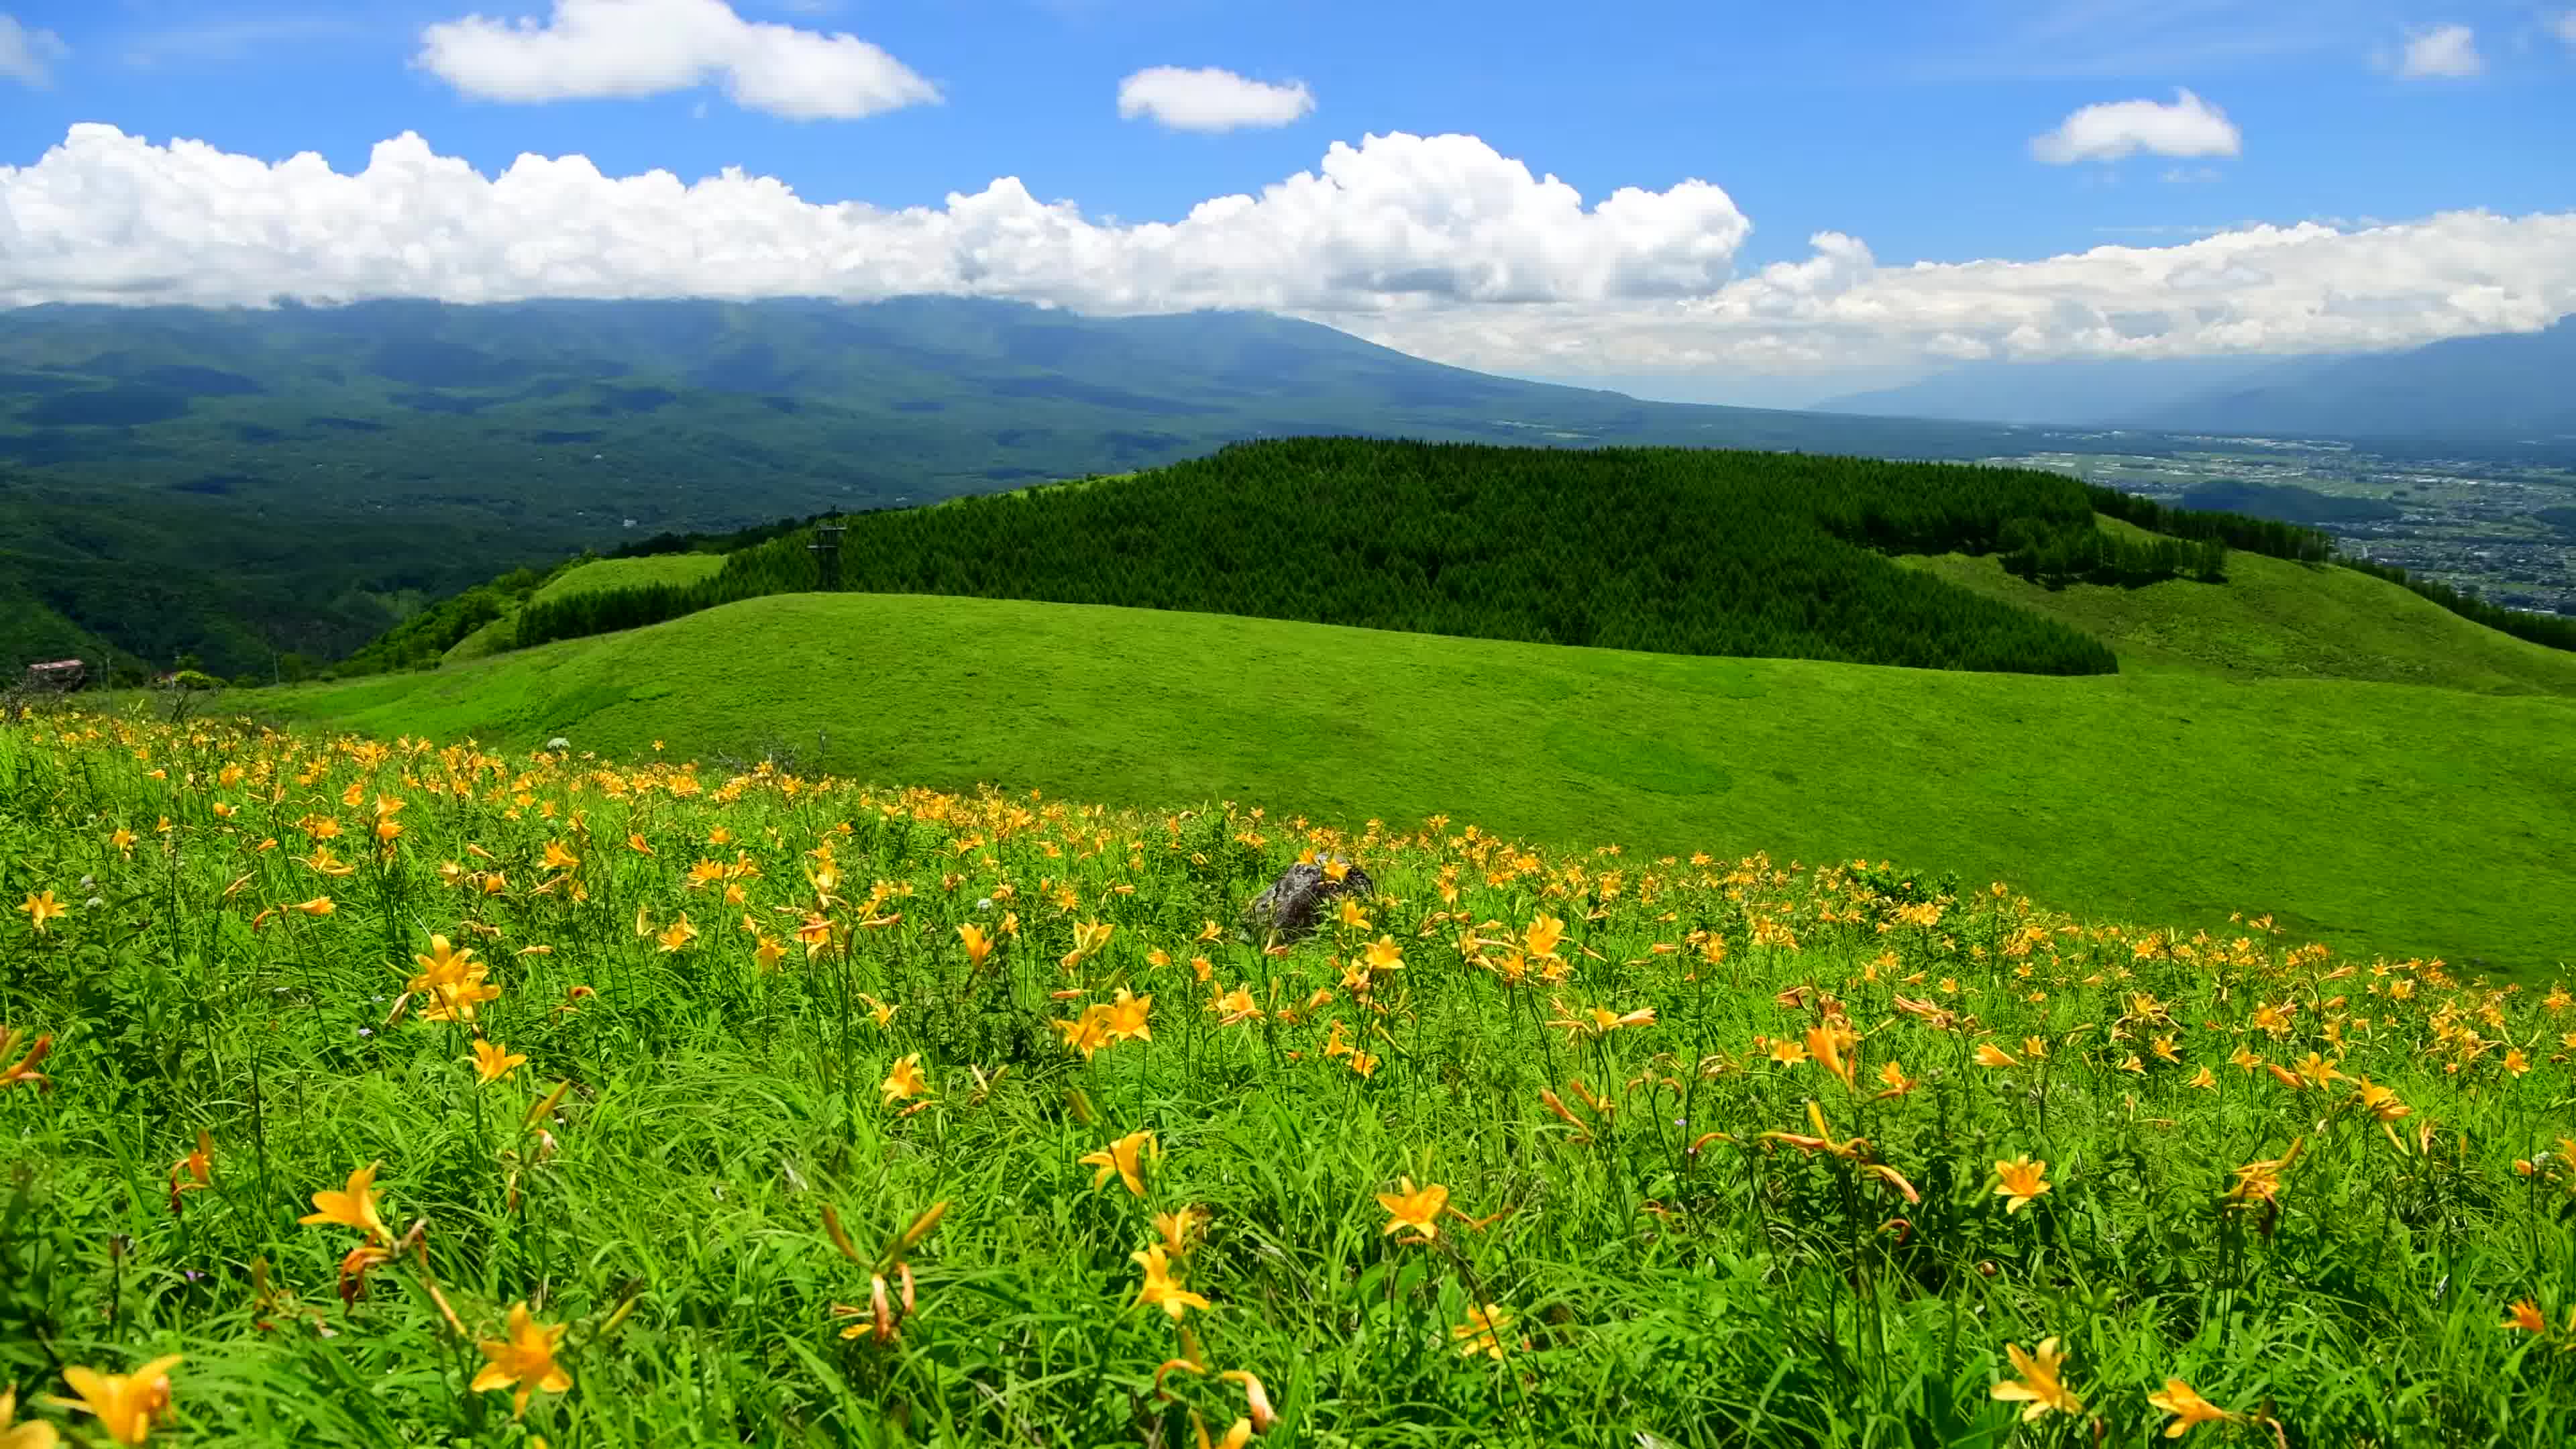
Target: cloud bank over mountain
{"points": [[1437, 245]]}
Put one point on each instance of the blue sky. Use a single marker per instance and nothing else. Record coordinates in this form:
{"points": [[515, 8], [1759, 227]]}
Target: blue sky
{"points": [[1907, 127]]}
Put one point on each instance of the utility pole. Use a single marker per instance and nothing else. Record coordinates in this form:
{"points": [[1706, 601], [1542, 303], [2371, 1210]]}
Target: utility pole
{"points": [[826, 549]]}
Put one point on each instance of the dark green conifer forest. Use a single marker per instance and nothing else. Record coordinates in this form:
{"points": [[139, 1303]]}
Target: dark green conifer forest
{"points": [[1668, 550]]}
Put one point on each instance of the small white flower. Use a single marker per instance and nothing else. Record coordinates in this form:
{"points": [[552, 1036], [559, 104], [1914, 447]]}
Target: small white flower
{"points": [[985, 904]]}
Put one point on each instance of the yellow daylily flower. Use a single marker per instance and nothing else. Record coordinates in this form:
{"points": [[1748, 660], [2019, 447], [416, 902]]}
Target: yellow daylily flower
{"points": [[1158, 1289], [354, 1206], [2022, 1182], [1124, 1159], [524, 1359], [2039, 1385], [2189, 1409], [492, 1061], [126, 1404], [905, 1080], [1414, 1208]]}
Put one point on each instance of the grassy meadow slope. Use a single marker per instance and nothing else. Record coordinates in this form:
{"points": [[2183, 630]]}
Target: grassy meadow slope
{"points": [[2276, 619], [593, 577], [2394, 818]]}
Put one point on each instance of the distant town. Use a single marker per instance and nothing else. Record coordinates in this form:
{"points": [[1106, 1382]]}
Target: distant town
{"points": [[2505, 530]]}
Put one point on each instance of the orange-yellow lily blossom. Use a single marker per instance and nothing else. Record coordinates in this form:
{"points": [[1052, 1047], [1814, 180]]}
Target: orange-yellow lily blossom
{"points": [[1124, 1159], [34, 1434], [2525, 1315], [905, 1080], [192, 1173], [1088, 1032], [978, 944], [318, 906], [677, 935], [1158, 1289], [24, 1069], [1827, 1043], [2022, 1182], [1127, 1017], [1179, 1229], [1089, 938], [1991, 1055], [353, 1206], [2381, 1103], [1482, 1332], [2039, 1385], [2260, 1182], [524, 1359], [493, 1061], [41, 907], [452, 980], [2189, 1409], [126, 1404], [1415, 1208], [1384, 954], [1541, 939]]}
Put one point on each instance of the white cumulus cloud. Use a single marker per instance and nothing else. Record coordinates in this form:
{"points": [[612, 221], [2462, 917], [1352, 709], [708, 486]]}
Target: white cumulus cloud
{"points": [[2189, 126], [1437, 245], [2449, 51], [2563, 25], [28, 55], [1210, 99], [591, 49]]}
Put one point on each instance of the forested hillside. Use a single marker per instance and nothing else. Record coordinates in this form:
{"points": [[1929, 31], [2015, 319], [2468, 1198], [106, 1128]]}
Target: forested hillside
{"points": [[1664, 550]]}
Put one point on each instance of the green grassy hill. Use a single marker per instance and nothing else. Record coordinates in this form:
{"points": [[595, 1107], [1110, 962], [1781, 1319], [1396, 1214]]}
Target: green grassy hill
{"points": [[2273, 619], [596, 576], [2397, 818]]}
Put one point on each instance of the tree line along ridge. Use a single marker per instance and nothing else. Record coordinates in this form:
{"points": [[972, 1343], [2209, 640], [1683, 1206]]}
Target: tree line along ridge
{"points": [[1666, 550]]}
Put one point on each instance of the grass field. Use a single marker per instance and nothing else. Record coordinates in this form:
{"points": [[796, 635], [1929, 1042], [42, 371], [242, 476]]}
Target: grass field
{"points": [[2378, 817], [367, 1093], [630, 573], [2273, 619], [592, 577]]}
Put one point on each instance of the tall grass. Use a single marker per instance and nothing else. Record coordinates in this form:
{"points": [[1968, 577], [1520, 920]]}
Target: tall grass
{"points": [[828, 1130]]}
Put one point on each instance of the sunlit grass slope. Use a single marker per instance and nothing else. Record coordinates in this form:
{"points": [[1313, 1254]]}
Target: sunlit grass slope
{"points": [[2275, 619], [2401, 819], [630, 573], [592, 577]]}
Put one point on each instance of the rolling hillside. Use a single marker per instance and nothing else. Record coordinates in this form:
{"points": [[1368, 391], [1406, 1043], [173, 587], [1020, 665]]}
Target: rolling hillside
{"points": [[2274, 619], [595, 576], [2396, 818]]}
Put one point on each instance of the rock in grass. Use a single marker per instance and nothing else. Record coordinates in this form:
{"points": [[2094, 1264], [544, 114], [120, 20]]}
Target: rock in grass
{"points": [[1297, 900]]}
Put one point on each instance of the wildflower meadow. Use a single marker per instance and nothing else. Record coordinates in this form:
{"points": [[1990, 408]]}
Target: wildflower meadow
{"points": [[363, 1092]]}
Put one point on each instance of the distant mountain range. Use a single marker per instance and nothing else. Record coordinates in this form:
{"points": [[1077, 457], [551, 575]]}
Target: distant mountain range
{"points": [[2501, 388], [240, 483]]}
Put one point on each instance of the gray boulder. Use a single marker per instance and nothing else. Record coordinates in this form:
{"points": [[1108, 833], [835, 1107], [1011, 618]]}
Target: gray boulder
{"points": [[1298, 900]]}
